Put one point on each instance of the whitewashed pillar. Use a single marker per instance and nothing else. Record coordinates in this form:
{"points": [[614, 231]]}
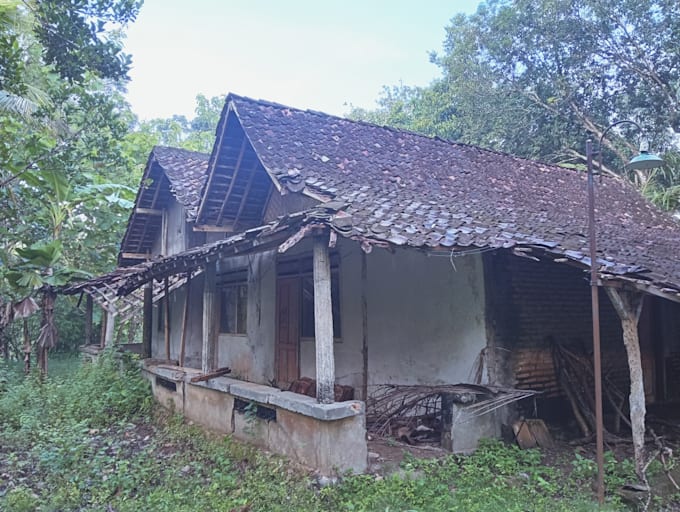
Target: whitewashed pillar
{"points": [[110, 324], [210, 318], [323, 322]]}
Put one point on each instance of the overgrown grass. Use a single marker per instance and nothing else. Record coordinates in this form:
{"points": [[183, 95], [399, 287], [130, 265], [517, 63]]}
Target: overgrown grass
{"points": [[88, 440]]}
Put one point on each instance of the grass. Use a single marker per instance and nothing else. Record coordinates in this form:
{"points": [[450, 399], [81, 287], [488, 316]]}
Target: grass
{"points": [[90, 439]]}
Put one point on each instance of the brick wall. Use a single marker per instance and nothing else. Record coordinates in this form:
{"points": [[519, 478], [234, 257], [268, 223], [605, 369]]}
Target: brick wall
{"points": [[534, 305]]}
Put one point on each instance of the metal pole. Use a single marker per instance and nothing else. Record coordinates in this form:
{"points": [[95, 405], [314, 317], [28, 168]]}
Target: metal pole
{"points": [[597, 364]]}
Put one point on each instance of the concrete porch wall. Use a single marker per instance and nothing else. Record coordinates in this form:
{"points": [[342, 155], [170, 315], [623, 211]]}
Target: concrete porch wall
{"points": [[328, 437]]}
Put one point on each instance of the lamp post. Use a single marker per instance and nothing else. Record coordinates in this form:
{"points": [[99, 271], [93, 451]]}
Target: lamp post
{"points": [[644, 160]]}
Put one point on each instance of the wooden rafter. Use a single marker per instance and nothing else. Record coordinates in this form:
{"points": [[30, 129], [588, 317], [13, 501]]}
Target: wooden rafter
{"points": [[244, 197], [211, 169], [234, 176], [153, 205]]}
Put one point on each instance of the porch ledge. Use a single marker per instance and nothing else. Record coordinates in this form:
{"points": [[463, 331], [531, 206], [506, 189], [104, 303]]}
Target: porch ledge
{"points": [[308, 406], [174, 373], [293, 402]]}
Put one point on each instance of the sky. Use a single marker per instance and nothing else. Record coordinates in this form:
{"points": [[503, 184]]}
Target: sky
{"points": [[318, 54]]}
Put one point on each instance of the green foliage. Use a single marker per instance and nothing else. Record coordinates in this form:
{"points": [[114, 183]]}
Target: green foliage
{"points": [[197, 134], [83, 439], [537, 78]]}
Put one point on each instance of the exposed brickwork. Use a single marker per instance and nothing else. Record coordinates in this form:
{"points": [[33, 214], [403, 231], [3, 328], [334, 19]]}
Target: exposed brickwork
{"points": [[538, 304]]}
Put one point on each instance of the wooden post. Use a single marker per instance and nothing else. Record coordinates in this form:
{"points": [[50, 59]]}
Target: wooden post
{"points": [[364, 324], [210, 316], [147, 327], [110, 325], [628, 305], [185, 317], [323, 322], [102, 332], [88, 320], [166, 306]]}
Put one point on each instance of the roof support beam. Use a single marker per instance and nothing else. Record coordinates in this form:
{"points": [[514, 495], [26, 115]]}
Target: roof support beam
{"points": [[148, 211], [244, 198], [323, 322], [211, 170], [135, 255], [237, 168], [210, 318]]}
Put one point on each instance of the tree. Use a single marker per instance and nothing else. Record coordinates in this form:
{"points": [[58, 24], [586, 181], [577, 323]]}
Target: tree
{"points": [[536, 78], [65, 161], [197, 134]]}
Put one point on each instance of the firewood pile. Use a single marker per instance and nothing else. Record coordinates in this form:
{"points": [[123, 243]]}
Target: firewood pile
{"points": [[414, 413], [575, 376]]}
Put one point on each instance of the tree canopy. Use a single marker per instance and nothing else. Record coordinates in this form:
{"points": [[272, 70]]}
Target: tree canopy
{"points": [[537, 78]]}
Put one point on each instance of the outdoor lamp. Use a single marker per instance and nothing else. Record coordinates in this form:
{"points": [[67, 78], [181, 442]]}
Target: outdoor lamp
{"points": [[645, 160]]}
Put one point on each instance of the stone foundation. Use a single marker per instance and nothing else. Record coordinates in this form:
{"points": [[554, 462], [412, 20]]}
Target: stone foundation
{"points": [[328, 437]]}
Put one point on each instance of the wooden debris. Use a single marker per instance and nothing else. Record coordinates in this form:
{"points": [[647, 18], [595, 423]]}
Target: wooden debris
{"points": [[212, 375], [532, 433], [393, 406]]}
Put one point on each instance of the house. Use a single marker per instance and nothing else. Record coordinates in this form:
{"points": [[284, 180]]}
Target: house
{"points": [[308, 245]]}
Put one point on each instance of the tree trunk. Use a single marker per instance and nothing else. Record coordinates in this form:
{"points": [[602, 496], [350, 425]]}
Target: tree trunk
{"points": [[27, 347], [628, 305]]}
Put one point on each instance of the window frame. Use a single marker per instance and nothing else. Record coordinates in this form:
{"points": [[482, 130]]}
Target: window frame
{"points": [[235, 282], [302, 267]]}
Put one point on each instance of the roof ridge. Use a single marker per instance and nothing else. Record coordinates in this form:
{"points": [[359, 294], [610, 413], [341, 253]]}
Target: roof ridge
{"points": [[437, 138]]}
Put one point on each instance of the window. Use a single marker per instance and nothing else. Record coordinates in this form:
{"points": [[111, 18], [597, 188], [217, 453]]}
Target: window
{"points": [[234, 304], [307, 325]]}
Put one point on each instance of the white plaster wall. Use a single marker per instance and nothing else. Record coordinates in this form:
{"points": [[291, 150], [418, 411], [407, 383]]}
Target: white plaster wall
{"points": [[425, 319], [177, 231], [194, 342], [251, 356]]}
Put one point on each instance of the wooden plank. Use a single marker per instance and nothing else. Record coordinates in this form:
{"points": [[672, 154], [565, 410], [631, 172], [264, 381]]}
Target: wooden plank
{"points": [[110, 332], [147, 327], [234, 176], [88, 320], [210, 318], [166, 306], [212, 375], [135, 255], [148, 211], [244, 198], [323, 322], [214, 229], [185, 315], [211, 172]]}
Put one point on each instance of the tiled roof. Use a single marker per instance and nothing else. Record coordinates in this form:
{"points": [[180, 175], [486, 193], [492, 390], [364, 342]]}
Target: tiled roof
{"points": [[169, 171], [411, 190], [186, 171]]}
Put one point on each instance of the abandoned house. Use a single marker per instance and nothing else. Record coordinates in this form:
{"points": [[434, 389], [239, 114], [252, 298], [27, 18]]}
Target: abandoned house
{"points": [[311, 263]]}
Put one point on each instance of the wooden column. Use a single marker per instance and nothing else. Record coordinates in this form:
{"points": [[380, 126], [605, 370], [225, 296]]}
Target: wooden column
{"points": [[166, 315], [628, 305], [88, 320], [323, 322], [185, 318], [110, 326], [147, 326], [210, 318]]}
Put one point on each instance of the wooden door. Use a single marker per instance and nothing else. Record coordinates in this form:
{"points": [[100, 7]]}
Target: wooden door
{"points": [[287, 331]]}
